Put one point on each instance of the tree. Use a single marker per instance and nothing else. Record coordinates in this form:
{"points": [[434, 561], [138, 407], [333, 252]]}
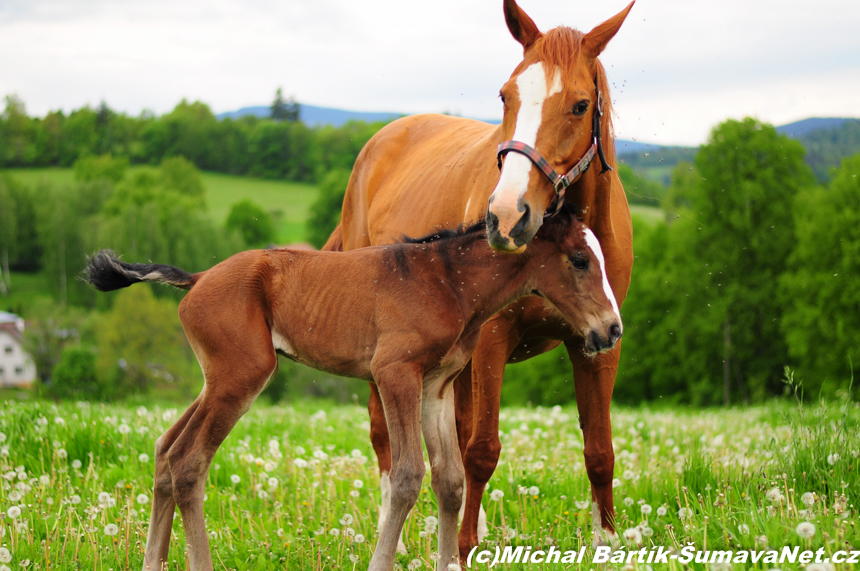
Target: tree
{"points": [[820, 288], [74, 376], [141, 344], [711, 306], [282, 110], [253, 223], [326, 209]]}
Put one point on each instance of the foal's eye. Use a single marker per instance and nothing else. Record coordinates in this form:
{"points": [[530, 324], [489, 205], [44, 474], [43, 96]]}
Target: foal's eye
{"points": [[580, 108], [502, 97], [579, 262]]}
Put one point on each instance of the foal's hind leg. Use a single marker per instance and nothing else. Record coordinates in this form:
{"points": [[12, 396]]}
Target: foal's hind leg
{"points": [[163, 504], [446, 465], [238, 359]]}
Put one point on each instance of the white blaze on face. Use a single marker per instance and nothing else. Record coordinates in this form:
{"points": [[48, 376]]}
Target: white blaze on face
{"points": [[514, 180], [594, 244]]}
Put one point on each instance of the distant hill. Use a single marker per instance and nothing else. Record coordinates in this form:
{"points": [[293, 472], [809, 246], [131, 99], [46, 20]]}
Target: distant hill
{"points": [[314, 116], [800, 129], [826, 140]]}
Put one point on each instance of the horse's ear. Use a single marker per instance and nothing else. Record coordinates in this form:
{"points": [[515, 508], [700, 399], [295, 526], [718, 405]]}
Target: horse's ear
{"points": [[595, 41], [522, 27]]}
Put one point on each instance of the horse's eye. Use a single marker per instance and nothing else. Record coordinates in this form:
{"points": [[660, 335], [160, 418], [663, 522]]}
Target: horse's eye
{"points": [[579, 262], [502, 97], [580, 108]]}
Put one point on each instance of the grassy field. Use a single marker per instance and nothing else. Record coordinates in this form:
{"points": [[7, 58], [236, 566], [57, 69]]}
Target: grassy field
{"points": [[296, 487], [288, 202]]}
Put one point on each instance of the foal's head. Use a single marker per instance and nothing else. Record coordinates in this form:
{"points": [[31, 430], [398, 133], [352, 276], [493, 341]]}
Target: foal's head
{"points": [[549, 103], [570, 272]]}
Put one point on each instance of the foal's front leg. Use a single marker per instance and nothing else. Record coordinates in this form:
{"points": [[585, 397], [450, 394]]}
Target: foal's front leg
{"points": [[400, 389], [440, 435]]}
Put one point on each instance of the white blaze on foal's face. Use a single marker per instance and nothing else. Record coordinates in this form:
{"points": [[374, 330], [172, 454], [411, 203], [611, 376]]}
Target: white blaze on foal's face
{"points": [[594, 244], [533, 92]]}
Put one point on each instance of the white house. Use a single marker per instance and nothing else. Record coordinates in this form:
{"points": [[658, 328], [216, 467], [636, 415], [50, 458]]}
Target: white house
{"points": [[16, 367]]}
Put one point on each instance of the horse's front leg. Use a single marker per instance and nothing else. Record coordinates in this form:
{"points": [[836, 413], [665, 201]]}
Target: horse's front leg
{"points": [[440, 435], [499, 338], [400, 392], [594, 379]]}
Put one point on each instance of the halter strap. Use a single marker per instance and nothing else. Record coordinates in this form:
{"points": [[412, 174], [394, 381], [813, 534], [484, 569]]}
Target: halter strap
{"points": [[561, 182]]}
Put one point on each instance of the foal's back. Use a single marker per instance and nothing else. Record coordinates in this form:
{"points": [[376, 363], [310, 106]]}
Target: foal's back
{"points": [[329, 310]]}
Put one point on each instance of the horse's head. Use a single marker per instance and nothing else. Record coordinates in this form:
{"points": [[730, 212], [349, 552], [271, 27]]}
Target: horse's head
{"points": [[569, 271], [550, 103]]}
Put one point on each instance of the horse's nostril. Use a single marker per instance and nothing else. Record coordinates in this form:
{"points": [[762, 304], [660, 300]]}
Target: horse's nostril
{"points": [[614, 332], [520, 229]]}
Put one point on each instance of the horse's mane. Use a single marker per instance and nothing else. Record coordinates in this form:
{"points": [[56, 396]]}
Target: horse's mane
{"points": [[560, 47], [448, 234]]}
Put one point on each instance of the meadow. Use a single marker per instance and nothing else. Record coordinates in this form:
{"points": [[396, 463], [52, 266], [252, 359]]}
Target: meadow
{"points": [[296, 486], [287, 202]]}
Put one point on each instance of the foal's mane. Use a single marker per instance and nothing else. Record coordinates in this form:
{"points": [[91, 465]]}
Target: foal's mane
{"points": [[478, 229], [560, 47]]}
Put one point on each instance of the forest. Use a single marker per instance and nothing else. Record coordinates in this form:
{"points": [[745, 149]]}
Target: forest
{"points": [[745, 279]]}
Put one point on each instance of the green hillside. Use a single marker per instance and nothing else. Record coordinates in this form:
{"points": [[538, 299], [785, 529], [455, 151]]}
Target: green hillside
{"points": [[287, 202]]}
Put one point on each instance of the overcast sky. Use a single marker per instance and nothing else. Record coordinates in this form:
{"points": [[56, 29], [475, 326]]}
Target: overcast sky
{"points": [[678, 66]]}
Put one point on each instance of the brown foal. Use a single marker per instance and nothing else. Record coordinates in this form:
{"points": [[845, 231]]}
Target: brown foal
{"points": [[406, 316]]}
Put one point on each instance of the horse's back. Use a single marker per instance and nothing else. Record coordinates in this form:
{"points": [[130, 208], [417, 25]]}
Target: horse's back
{"points": [[403, 179]]}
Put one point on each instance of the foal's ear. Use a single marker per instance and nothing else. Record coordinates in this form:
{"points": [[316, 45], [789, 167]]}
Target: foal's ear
{"points": [[595, 41], [521, 26]]}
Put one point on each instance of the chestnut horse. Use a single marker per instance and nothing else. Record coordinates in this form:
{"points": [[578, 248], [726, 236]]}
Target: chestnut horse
{"points": [[423, 171], [406, 317]]}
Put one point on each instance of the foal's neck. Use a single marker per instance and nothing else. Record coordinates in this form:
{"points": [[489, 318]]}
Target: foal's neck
{"points": [[484, 280]]}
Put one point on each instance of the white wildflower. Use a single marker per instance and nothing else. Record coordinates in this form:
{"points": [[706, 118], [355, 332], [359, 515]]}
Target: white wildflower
{"points": [[633, 535], [111, 529], [832, 459], [142, 499], [806, 529], [235, 479], [13, 512], [534, 491], [357, 484], [497, 495], [808, 499]]}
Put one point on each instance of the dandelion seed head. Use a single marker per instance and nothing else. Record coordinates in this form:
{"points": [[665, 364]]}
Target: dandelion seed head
{"points": [[142, 499], [235, 479], [497, 495], [357, 484], [633, 535], [832, 459], [808, 499], [346, 519], [143, 458], [76, 464], [5, 555], [359, 538], [645, 509], [111, 529], [334, 532], [13, 512], [806, 529], [534, 491]]}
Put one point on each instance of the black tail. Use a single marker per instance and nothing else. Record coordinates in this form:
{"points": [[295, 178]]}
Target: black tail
{"points": [[106, 272]]}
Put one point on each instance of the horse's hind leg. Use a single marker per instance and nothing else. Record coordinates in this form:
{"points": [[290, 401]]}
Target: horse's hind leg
{"points": [[440, 436], [163, 504]]}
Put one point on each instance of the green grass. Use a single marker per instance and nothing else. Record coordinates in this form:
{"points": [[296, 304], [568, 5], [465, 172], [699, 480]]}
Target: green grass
{"points": [[287, 202], [282, 483]]}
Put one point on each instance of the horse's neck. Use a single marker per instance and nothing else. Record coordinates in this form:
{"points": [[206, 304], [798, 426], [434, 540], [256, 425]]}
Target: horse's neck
{"points": [[595, 200]]}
